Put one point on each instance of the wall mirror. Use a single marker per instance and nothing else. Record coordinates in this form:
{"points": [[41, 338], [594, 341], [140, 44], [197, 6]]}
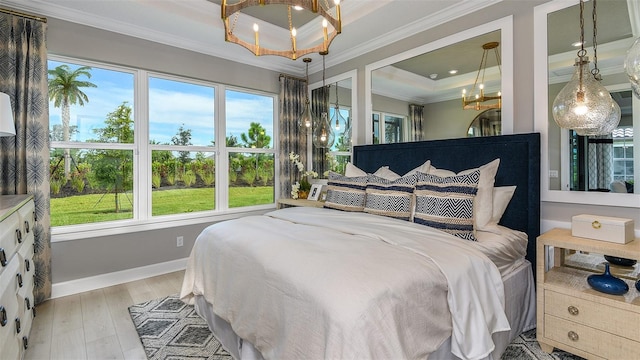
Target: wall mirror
{"points": [[576, 169], [421, 76], [341, 94]]}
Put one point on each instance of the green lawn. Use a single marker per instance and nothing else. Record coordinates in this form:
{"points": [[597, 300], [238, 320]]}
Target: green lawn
{"points": [[84, 209]]}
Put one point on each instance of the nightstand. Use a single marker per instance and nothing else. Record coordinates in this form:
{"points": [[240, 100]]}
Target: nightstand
{"points": [[576, 318], [283, 203]]}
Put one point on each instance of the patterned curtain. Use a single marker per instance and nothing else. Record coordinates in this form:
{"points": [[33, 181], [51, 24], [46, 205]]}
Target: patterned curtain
{"points": [[600, 161], [292, 137], [416, 118], [24, 158], [318, 106]]}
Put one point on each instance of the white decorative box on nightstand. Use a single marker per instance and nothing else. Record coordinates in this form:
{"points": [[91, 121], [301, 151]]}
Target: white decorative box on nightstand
{"points": [[17, 273], [605, 228], [576, 318]]}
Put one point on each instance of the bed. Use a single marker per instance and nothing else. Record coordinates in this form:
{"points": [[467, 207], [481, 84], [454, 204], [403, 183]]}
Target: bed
{"points": [[319, 283]]}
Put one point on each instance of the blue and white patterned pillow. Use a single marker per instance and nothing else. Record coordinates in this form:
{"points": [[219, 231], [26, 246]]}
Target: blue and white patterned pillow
{"points": [[346, 193], [446, 203], [390, 198]]}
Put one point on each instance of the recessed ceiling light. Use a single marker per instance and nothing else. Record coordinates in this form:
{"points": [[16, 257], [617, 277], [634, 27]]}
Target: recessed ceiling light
{"points": [[453, 72], [576, 44], [433, 76], [298, 7]]}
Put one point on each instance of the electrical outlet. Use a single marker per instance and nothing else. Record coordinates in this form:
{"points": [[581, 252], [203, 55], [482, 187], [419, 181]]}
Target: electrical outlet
{"points": [[179, 241]]}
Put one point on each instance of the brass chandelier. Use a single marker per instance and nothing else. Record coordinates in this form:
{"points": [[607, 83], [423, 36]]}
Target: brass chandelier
{"points": [[477, 99], [291, 46]]}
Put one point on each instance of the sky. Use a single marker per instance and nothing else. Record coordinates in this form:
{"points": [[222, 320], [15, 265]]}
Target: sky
{"points": [[171, 105]]}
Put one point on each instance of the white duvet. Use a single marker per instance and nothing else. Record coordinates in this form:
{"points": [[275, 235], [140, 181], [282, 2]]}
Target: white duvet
{"points": [[324, 284]]}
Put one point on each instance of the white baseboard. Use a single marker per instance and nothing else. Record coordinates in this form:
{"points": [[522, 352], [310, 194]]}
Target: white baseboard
{"points": [[71, 287]]}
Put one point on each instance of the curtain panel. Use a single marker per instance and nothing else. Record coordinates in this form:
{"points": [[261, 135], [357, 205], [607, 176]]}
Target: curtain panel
{"points": [[292, 137], [600, 161], [24, 158], [416, 118]]}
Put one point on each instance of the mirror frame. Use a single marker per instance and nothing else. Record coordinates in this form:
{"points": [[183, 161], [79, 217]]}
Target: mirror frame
{"points": [[541, 120], [505, 25]]}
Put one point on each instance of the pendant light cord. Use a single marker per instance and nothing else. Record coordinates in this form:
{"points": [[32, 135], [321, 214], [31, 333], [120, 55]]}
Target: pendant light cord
{"points": [[596, 70]]}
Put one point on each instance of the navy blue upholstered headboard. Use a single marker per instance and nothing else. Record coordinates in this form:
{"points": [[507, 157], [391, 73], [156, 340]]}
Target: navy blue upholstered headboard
{"points": [[519, 165]]}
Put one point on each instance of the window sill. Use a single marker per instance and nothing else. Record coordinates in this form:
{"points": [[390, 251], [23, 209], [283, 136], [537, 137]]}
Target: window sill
{"points": [[84, 231]]}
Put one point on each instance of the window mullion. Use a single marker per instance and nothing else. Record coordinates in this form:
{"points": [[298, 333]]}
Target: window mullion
{"points": [[142, 158], [222, 155]]}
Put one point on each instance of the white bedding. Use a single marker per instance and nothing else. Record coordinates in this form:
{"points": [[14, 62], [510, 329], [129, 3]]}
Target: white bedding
{"points": [[364, 287]]}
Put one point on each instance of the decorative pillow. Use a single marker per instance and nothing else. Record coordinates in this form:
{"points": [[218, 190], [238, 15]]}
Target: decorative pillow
{"points": [[346, 193], [386, 173], [483, 204], [501, 197], [424, 168], [353, 171], [393, 198], [446, 203]]}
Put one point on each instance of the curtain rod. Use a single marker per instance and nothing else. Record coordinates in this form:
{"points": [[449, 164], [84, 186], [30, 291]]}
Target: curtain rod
{"points": [[24, 15], [292, 77]]}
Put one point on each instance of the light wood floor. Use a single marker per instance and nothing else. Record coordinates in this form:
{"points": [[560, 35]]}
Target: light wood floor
{"points": [[96, 324]]}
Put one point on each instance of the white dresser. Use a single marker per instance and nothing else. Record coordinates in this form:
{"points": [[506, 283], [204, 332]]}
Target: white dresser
{"points": [[17, 273]]}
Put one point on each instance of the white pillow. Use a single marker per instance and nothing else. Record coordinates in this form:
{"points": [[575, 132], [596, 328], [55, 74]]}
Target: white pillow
{"points": [[424, 168], [501, 197], [387, 174], [353, 171], [483, 203]]}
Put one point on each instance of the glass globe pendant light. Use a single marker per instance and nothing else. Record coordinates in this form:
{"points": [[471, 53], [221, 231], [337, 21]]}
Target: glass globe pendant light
{"points": [[584, 105], [305, 118], [337, 118], [632, 67], [323, 135]]}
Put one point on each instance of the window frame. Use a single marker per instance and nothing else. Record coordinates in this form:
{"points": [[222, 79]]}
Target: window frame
{"points": [[142, 219]]}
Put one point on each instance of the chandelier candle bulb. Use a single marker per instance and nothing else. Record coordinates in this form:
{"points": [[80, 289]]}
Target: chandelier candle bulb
{"points": [[325, 33], [255, 30]]}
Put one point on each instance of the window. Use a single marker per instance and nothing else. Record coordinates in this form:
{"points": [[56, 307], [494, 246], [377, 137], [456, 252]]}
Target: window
{"points": [[250, 119], [623, 154], [181, 139], [92, 143], [131, 145], [394, 129]]}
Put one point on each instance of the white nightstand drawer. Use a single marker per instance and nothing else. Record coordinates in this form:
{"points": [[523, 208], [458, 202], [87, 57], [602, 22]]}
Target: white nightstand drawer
{"points": [[588, 339], [585, 312]]}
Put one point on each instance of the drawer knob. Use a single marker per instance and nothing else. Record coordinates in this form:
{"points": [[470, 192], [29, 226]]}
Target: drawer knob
{"points": [[27, 303], [18, 328], [3, 257], [573, 336], [25, 342], [596, 224], [19, 236], [573, 310], [27, 264], [19, 277], [3, 316], [26, 226]]}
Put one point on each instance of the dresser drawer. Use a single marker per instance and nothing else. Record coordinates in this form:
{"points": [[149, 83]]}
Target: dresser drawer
{"points": [[9, 232], [585, 312], [588, 339], [27, 218], [9, 307]]}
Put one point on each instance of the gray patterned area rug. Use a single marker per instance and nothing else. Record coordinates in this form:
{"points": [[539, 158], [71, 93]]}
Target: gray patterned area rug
{"points": [[170, 329]]}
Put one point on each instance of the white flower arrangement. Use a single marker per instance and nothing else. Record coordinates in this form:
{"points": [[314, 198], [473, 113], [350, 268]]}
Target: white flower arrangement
{"points": [[303, 184]]}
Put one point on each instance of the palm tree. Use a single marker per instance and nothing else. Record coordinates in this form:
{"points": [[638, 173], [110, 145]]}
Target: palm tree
{"points": [[64, 90]]}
